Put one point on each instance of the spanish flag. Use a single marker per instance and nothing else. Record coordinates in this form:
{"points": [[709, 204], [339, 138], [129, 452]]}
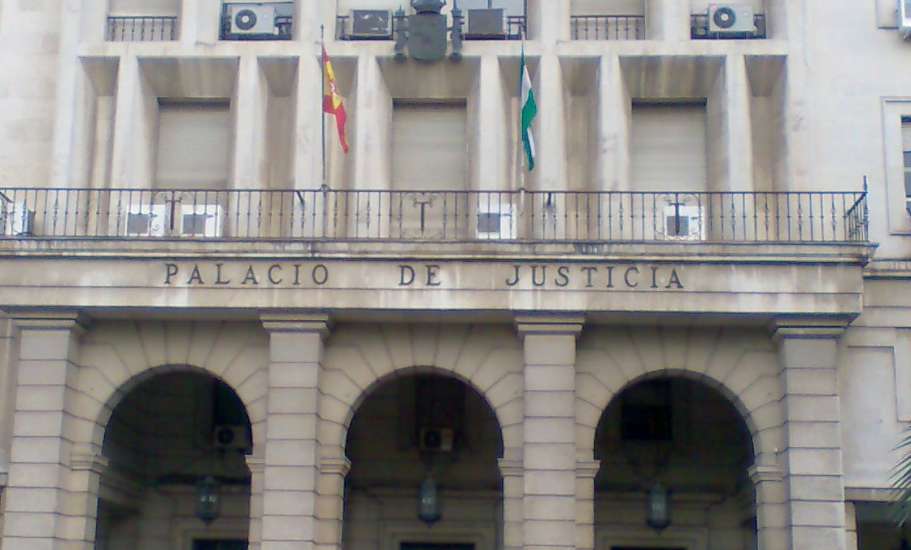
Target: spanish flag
{"points": [[332, 101]]}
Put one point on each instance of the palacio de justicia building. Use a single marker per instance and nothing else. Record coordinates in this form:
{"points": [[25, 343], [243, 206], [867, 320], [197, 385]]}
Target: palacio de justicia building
{"points": [[464, 275]]}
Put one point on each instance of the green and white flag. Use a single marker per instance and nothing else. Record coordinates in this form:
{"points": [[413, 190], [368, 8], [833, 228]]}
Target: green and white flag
{"points": [[529, 111]]}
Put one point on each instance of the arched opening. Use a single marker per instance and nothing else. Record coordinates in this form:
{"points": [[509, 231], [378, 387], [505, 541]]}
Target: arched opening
{"points": [[177, 475], [410, 430], [675, 455]]}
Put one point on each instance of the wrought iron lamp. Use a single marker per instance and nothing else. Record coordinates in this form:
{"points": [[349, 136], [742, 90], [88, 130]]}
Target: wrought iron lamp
{"points": [[429, 501], [208, 499], [658, 507]]}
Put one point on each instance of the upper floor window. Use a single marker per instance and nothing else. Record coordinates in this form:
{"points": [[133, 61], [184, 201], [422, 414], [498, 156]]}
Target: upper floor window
{"points": [[603, 20], [669, 147], [193, 144], [257, 20], [143, 20], [429, 149], [906, 153]]}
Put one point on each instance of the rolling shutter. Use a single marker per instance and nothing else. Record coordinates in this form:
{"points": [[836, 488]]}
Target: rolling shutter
{"points": [[144, 7], [668, 147], [193, 145], [906, 148], [428, 146]]}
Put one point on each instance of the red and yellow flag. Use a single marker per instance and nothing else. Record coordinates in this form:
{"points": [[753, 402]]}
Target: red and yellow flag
{"points": [[332, 101]]}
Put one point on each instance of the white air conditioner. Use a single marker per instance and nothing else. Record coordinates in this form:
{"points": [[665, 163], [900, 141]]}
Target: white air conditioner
{"points": [[436, 440], [252, 20], [370, 24], [496, 220], [731, 19], [684, 223], [200, 220], [228, 438], [904, 18], [17, 219], [146, 220]]}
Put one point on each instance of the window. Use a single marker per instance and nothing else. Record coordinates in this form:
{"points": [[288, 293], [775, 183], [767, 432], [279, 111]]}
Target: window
{"points": [[669, 147], [429, 150], [193, 144], [143, 20], [906, 155]]}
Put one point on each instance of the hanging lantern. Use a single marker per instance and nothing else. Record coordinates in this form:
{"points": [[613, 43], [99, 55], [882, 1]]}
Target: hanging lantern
{"points": [[658, 513], [429, 501], [208, 501]]}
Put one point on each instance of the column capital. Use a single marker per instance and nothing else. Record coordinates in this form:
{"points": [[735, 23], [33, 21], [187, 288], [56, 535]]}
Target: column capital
{"points": [[256, 464], [44, 319], [304, 321], [760, 473], [550, 323], [511, 467], [335, 465], [85, 458], [808, 327], [587, 469]]}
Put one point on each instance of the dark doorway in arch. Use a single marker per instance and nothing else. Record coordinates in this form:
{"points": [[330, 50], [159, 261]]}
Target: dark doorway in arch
{"points": [[211, 544], [407, 428], [169, 432], [690, 438]]}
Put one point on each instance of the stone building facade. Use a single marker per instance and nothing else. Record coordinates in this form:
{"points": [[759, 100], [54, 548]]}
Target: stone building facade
{"points": [[697, 303]]}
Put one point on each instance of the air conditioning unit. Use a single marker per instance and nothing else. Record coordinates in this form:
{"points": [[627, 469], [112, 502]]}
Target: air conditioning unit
{"points": [[496, 220], [904, 18], [485, 23], [231, 438], [436, 440], [252, 20], [370, 24], [146, 220], [16, 219], [731, 19], [201, 220], [684, 223]]}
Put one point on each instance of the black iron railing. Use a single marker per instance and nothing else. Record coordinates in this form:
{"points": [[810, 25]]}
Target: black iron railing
{"points": [[383, 26], [435, 216], [141, 28], [608, 27], [257, 21], [700, 29]]}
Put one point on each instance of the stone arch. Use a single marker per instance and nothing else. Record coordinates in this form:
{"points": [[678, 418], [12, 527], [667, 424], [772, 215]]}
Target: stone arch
{"points": [[117, 357], [738, 363], [361, 358]]}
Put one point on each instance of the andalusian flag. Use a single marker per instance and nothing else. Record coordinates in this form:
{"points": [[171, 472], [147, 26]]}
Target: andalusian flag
{"points": [[529, 111], [332, 101]]}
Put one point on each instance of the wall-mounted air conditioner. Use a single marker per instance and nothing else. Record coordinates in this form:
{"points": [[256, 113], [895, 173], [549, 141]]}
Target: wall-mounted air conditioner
{"points": [[252, 20], [731, 19], [201, 220], [231, 438], [496, 220], [904, 18], [17, 219], [146, 220], [370, 24], [485, 23], [684, 223]]}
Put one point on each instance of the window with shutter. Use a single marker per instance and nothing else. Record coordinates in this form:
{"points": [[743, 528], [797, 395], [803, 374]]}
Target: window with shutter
{"points": [[429, 149], [193, 144], [668, 147], [906, 151]]}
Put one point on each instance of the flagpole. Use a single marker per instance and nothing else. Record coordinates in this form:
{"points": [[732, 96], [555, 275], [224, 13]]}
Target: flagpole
{"points": [[521, 161], [322, 116]]}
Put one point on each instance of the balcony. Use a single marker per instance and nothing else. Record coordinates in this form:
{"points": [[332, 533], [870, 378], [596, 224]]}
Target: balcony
{"points": [[435, 216], [702, 29], [493, 22], [257, 21], [608, 27], [141, 28]]}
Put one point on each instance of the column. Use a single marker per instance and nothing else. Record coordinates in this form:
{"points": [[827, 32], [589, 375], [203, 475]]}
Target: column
{"points": [[613, 160], [586, 470], [549, 502], [330, 505], [290, 468], [851, 526], [513, 471], [811, 457], [739, 144], [257, 466], [771, 507], [51, 499]]}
